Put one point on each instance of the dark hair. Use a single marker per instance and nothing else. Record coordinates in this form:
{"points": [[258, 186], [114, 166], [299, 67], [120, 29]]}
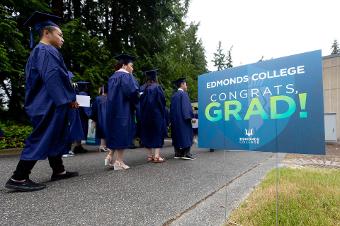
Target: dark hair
{"points": [[47, 28], [103, 89], [118, 66], [179, 84], [149, 82]]}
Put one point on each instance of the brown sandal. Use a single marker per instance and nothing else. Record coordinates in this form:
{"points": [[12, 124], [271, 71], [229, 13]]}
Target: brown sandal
{"points": [[158, 160]]}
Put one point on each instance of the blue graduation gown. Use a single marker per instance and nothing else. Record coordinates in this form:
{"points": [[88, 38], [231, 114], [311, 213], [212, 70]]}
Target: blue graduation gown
{"points": [[48, 94], [85, 114], [167, 120], [138, 114], [153, 123], [122, 97], [180, 117], [99, 115], [76, 127]]}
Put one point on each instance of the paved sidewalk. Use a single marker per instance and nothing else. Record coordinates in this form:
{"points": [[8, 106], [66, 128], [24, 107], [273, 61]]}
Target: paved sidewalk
{"points": [[147, 194]]}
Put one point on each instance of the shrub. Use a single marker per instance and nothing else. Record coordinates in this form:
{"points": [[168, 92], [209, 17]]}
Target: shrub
{"points": [[14, 134]]}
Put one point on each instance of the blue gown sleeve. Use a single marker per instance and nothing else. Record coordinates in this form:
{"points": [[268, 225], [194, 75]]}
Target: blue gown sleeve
{"points": [[186, 107], [130, 88], [56, 82]]}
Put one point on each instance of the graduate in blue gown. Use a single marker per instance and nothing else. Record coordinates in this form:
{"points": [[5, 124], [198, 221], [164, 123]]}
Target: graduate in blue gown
{"points": [[85, 114], [122, 97], [48, 100], [99, 107], [76, 128], [180, 118], [153, 117]]}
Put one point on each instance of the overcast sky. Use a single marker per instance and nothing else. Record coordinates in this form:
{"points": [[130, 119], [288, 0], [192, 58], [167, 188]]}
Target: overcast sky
{"points": [[269, 28]]}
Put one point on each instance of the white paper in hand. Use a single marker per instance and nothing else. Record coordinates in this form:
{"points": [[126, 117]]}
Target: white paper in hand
{"points": [[83, 101]]}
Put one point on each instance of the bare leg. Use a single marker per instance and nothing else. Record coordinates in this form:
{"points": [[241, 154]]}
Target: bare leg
{"points": [[119, 155], [119, 163], [150, 154], [157, 150], [158, 158], [103, 142]]}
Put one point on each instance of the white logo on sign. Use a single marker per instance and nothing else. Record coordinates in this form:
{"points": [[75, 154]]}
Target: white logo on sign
{"points": [[249, 139], [249, 132]]}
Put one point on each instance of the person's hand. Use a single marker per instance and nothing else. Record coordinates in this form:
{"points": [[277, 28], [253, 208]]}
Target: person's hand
{"points": [[74, 105], [193, 121]]}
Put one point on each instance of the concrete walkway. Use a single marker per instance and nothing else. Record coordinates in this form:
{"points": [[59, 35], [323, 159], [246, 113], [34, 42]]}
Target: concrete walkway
{"points": [[177, 192]]}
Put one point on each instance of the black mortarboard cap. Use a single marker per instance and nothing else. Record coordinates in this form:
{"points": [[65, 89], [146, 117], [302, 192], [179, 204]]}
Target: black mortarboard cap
{"points": [[125, 58], [38, 21], [151, 74], [82, 85], [179, 81]]}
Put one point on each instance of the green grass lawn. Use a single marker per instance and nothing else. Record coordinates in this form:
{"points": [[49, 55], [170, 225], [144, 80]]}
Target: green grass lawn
{"points": [[308, 196]]}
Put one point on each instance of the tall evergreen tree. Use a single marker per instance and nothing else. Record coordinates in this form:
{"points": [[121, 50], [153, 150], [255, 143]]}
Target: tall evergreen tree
{"points": [[220, 59], [335, 47], [229, 58], [94, 31]]}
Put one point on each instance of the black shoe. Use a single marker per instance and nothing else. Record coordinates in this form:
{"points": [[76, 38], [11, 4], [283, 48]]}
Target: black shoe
{"points": [[27, 185], [79, 149], [188, 157], [212, 150], [67, 175], [178, 156]]}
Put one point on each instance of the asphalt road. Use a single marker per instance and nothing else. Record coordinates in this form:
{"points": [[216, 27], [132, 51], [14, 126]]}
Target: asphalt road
{"points": [[146, 194]]}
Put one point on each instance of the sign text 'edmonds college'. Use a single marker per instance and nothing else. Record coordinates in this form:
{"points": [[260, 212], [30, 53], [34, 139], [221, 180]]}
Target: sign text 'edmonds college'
{"points": [[275, 105]]}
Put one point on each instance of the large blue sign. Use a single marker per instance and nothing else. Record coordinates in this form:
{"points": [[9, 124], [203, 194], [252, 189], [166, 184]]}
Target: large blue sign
{"points": [[274, 105]]}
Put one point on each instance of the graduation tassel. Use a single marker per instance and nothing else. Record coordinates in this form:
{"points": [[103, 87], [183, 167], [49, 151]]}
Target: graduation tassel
{"points": [[31, 38]]}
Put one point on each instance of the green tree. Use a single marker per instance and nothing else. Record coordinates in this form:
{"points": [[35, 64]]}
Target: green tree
{"points": [[12, 60], [220, 59], [86, 56], [229, 58], [95, 31], [13, 54], [335, 47]]}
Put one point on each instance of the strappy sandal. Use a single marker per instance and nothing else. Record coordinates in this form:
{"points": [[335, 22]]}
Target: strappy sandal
{"points": [[158, 160], [150, 158], [108, 161]]}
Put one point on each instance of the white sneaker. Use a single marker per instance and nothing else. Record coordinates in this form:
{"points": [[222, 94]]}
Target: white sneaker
{"points": [[70, 154]]}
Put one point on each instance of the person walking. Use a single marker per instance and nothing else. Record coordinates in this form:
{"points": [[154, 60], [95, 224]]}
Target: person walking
{"points": [[99, 108], [122, 97], [153, 118], [49, 97]]}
